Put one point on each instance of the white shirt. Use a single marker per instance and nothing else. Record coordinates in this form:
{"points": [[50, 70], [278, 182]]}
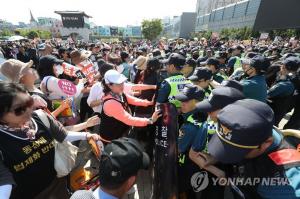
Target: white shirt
{"points": [[96, 93]]}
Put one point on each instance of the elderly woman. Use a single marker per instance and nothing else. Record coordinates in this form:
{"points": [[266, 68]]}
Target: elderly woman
{"points": [[27, 149]]}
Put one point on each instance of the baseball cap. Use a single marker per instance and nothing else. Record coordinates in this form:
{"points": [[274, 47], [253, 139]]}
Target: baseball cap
{"points": [[176, 59], [191, 62], [201, 73], [190, 92], [260, 62], [13, 69], [233, 84], [114, 77], [212, 61], [219, 98], [242, 127], [121, 159], [291, 63], [49, 61], [238, 47], [246, 61]]}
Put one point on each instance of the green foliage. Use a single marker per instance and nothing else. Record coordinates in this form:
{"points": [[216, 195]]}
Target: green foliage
{"points": [[205, 34], [32, 34], [151, 29], [238, 33], [5, 32]]}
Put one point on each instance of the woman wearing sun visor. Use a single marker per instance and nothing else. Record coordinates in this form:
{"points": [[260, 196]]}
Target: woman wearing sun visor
{"points": [[116, 117]]}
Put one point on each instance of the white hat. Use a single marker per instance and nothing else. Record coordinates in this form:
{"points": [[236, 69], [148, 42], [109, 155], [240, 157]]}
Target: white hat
{"points": [[114, 77]]}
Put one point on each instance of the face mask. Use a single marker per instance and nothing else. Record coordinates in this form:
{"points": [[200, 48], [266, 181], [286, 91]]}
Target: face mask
{"points": [[59, 69]]}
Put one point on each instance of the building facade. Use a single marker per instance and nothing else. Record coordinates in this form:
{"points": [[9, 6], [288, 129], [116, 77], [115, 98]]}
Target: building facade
{"points": [[75, 24], [180, 26], [260, 15]]}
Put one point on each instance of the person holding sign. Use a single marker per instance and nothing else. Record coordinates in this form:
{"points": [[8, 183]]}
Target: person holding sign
{"points": [[116, 117], [57, 90]]}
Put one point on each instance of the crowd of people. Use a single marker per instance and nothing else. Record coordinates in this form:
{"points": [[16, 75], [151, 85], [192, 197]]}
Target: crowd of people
{"points": [[231, 97]]}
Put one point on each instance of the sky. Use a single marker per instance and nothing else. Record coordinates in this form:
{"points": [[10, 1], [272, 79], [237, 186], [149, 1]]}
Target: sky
{"points": [[104, 12]]}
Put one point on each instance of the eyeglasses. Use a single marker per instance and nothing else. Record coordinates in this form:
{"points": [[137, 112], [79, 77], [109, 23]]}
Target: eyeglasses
{"points": [[20, 110]]}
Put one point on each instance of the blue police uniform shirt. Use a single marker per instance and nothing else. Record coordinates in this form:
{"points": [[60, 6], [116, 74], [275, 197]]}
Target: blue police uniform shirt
{"points": [[218, 78], [255, 88], [164, 91], [200, 141], [189, 132], [281, 88], [290, 191], [231, 62]]}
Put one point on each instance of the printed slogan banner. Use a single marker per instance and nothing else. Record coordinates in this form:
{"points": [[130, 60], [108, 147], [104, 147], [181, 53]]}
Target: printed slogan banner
{"points": [[85, 69], [165, 154]]}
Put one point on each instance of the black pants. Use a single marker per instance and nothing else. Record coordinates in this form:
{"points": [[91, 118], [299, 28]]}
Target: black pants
{"points": [[85, 109]]}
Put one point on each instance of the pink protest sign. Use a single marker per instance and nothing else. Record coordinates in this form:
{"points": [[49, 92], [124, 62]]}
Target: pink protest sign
{"points": [[67, 87]]}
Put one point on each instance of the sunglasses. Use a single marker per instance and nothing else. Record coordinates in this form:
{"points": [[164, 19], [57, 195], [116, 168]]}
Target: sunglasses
{"points": [[20, 110]]}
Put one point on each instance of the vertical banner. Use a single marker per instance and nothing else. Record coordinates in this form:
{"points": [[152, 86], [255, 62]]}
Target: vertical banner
{"points": [[165, 154]]}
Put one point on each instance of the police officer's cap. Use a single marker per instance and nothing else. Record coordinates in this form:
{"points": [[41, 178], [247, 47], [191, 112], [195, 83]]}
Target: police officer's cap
{"points": [[201, 73], [219, 98], [213, 61], [292, 63], [176, 59], [242, 127], [190, 92], [233, 84], [260, 62]]}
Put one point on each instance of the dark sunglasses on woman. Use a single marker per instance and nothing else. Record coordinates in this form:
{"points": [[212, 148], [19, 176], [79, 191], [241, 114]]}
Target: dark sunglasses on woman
{"points": [[20, 110]]}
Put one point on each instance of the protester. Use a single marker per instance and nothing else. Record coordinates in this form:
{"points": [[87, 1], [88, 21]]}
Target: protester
{"points": [[116, 117], [27, 146]]}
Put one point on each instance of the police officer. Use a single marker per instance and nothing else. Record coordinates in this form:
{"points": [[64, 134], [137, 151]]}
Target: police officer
{"points": [[172, 85], [234, 62], [255, 86], [280, 95], [213, 65], [220, 97], [189, 67], [190, 129], [245, 138], [201, 78]]}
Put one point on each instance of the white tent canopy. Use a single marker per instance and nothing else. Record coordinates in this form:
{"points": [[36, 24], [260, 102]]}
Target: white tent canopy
{"points": [[16, 38]]}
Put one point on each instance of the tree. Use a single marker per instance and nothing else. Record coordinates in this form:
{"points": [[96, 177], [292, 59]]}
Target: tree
{"points": [[32, 34], [151, 29], [44, 34], [5, 32]]}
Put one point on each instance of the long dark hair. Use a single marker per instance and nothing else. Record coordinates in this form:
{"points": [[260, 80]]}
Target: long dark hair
{"points": [[106, 88], [153, 65], [8, 92]]}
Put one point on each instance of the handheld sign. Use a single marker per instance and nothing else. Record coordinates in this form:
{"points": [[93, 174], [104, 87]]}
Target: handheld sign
{"points": [[165, 154], [67, 87]]}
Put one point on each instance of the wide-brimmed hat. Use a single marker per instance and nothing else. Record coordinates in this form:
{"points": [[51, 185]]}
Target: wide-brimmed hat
{"points": [[13, 69]]}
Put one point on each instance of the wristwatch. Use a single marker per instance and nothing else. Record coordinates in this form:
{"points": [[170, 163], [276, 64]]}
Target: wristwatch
{"points": [[150, 120]]}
